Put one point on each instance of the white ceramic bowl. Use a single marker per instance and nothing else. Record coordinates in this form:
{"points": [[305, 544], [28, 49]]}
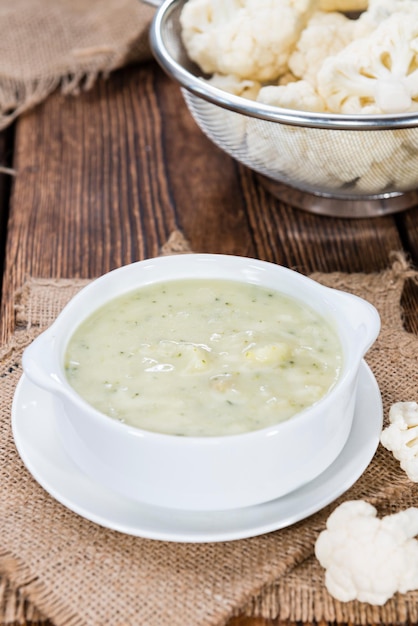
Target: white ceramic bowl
{"points": [[205, 473]]}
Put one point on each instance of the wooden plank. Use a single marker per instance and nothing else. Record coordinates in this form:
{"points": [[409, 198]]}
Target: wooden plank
{"points": [[7, 594], [308, 242], [408, 230], [6, 178], [105, 177], [94, 188], [90, 193], [214, 196], [409, 302]]}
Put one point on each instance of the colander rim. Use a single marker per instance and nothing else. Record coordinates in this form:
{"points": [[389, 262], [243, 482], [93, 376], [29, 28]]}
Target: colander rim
{"points": [[210, 93]]}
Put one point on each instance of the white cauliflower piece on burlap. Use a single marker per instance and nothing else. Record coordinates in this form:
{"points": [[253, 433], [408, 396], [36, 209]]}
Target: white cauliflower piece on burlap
{"points": [[248, 38], [367, 558], [401, 436]]}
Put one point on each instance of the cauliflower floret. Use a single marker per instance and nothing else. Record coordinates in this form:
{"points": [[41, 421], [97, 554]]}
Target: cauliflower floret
{"points": [[378, 11], [353, 6], [234, 84], [366, 558], [287, 78], [399, 171], [278, 148], [379, 70], [270, 354], [401, 436], [226, 128], [297, 95], [248, 38], [185, 356], [324, 163], [325, 35]]}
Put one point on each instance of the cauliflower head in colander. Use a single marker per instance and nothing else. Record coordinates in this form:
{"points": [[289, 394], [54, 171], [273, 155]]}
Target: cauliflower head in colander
{"points": [[377, 73], [321, 157], [251, 39], [325, 35], [401, 436]]}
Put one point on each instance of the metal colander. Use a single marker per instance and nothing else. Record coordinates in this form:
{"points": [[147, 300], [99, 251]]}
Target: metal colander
{"points": [[345, 165]]}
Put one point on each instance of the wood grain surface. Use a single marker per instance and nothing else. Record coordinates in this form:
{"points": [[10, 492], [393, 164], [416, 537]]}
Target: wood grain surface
{"points": [[104, 178]]}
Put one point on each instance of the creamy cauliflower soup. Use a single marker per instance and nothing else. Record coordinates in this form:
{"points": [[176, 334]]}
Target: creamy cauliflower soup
{"points": [[203, 358]]}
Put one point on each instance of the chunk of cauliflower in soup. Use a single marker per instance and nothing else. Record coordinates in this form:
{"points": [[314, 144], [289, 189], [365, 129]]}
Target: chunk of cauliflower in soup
{"points": [[203, 357]]}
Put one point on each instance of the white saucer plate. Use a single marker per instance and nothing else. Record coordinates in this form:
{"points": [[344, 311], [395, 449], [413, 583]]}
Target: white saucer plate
{"points": [[38, 444]]}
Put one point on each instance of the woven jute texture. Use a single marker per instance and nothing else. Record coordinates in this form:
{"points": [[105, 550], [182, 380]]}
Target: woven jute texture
{"points": [[78, 573], [67, 44]]}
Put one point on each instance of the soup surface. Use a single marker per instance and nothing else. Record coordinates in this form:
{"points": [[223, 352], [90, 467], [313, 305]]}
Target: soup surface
{"points": [[203, 358]]}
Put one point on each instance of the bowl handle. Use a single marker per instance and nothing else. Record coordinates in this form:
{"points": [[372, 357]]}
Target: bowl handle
{"points": [[364, 320], [39, 361]]}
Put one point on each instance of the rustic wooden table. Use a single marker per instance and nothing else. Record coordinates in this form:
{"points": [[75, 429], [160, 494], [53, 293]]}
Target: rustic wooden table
{"points": [[102, 179]]}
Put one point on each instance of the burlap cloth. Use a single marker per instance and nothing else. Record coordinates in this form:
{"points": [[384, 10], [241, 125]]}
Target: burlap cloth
{"points": [[65, 44], [79, 573]]}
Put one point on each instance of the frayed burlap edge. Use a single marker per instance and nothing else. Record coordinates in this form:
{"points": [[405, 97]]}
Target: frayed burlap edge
{"points": [[76, 70], [30, 302], [15, 608], [300, 596]]}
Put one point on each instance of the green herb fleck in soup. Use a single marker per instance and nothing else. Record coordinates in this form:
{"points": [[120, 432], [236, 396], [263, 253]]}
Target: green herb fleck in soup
{"points": [[203, 358]]}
